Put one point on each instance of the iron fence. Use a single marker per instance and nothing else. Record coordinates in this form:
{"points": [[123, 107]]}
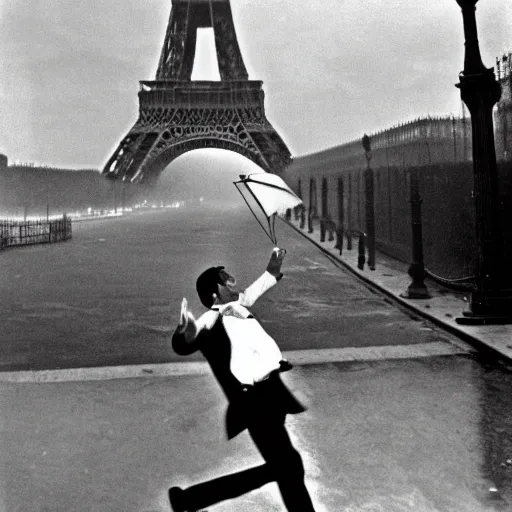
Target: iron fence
{"points": [[15, 232]]}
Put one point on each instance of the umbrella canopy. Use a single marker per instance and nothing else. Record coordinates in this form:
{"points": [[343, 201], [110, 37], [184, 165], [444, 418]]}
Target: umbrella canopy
{"points": [[267, 195]]}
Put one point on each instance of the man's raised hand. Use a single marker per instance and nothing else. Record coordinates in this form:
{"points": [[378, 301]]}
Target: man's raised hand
{"points": [[278, 253], [276, 260]]}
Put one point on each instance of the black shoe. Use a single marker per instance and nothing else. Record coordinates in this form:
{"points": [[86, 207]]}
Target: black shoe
{"points": [[176, 499], [284, 366]]}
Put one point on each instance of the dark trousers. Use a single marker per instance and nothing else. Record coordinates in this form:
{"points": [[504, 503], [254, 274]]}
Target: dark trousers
{"points": [[283, 465]]}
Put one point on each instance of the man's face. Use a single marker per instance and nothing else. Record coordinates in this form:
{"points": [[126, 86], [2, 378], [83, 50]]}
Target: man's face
{"points": [[226, 289]]}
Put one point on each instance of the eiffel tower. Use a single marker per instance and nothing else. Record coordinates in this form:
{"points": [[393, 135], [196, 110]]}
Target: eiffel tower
{"points": [[177, 114]]}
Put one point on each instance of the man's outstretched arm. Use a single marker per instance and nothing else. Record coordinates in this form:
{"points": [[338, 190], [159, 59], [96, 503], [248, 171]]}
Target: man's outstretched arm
{"points": [[269, 278]]}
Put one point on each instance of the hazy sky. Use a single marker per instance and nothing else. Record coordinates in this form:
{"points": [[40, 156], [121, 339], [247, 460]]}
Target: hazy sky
{"points": [[332, 69]]}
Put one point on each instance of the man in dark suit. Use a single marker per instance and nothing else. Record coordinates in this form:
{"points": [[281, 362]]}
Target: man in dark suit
{"points": [[230, 339]]}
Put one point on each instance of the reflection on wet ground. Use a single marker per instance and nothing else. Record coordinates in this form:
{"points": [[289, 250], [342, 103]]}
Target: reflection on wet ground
{"points": [[425, 435], [422, 435], [84, 303], [495, 404]]}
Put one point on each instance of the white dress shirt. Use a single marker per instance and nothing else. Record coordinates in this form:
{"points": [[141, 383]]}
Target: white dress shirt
{"points": [[254, 354]]}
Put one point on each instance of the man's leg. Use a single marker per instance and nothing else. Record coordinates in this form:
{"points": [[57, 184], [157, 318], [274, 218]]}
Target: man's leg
{"points": [[284, 461], [223, 488]]}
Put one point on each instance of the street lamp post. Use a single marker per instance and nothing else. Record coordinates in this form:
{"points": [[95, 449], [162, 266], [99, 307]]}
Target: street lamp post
{"points": [[491, 301], [370, 203], [417, 289]]}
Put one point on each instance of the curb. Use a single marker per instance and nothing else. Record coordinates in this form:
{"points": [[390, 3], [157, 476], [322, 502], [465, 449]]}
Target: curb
{"points": [[482, 346]]}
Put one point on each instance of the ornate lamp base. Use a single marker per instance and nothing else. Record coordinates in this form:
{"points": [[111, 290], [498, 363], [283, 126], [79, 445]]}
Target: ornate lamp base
{"points": [[417, 289], [416, 292], [486, 308]]}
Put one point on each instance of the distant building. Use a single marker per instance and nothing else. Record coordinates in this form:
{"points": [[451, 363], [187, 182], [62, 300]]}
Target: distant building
{"points": [[29, 189]]}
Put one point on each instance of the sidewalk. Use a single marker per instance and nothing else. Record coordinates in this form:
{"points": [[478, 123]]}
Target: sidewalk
{"points": [[443, 307]]}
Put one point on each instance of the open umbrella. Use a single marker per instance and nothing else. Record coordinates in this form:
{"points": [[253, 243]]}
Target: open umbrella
{"points": [[267, 196]]}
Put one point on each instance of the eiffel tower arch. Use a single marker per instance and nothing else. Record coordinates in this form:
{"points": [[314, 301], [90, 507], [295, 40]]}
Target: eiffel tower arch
{"points": [[177, 114]]}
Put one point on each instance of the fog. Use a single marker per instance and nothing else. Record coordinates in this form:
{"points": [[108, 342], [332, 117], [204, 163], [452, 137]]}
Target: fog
{"points": [[206, 173]]}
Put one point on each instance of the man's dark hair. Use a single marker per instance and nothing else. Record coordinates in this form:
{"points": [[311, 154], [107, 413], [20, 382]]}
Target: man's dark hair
{"points": [[206, 285]]}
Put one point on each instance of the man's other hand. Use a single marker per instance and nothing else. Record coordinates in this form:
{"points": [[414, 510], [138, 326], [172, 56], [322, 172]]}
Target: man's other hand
{"points": [[183, 315], [186, 332], [187, 320]]}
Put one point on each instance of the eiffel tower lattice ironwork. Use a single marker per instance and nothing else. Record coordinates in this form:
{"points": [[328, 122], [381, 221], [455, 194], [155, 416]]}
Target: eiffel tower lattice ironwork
{"points": [[177, 114]]}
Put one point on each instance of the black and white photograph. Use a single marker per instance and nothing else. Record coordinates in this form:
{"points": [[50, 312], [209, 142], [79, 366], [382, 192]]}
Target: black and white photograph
{"points": [[256, 256]]}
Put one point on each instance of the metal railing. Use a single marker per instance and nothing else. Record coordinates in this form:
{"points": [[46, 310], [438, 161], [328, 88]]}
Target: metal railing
{"points": [[15, 232]]}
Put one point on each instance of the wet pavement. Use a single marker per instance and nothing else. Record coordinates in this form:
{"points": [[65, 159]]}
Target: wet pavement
{"points": [[444, 306], [424, 435], [402, 416], [111, 295]]}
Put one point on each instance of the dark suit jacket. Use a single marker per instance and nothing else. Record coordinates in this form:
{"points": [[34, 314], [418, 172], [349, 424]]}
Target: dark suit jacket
{"points": [[247, 404]]}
